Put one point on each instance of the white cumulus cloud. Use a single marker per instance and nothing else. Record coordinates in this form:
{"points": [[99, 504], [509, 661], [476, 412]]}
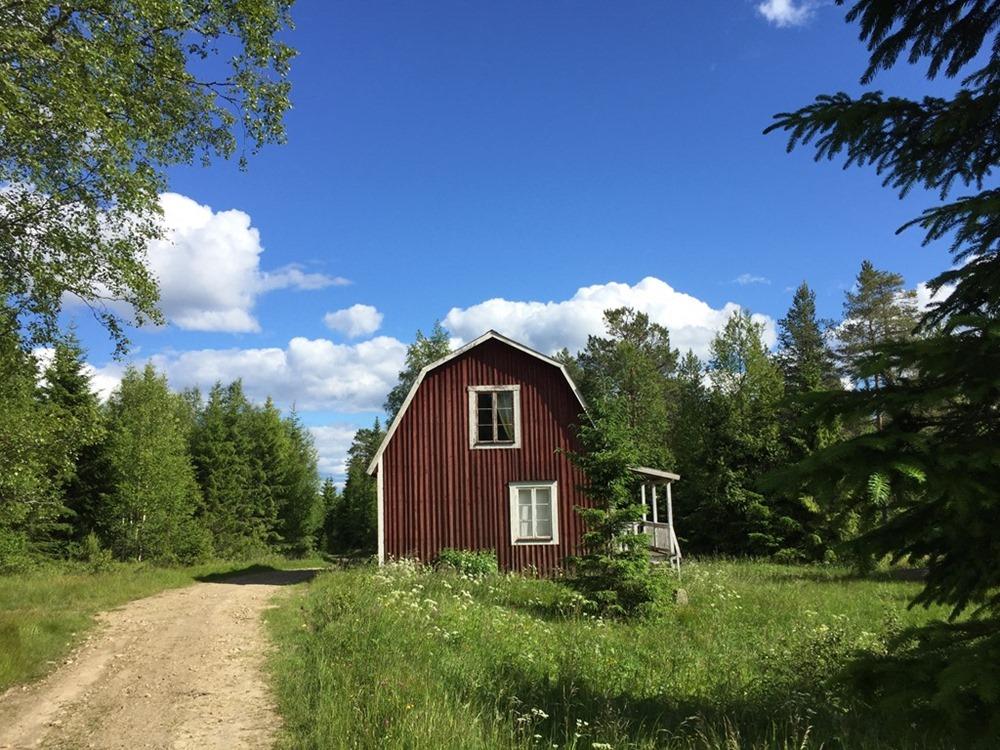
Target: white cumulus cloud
{"points": [[549, 326], [787, 12], [208, 268], [310, 374], [332, 444], [354, 321]]}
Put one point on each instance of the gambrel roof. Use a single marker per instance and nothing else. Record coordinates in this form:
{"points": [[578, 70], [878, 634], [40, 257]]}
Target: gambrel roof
{"points": [[488, 336]]}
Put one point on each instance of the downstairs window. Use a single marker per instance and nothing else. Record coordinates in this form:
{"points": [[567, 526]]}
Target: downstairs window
{"points": [[534, 514]]}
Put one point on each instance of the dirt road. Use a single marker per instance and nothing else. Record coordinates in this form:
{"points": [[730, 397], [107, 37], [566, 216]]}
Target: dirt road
{"points": [[182, 669]]}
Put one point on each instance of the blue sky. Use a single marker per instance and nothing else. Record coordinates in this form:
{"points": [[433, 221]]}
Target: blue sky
{"points": [[441, 155]]}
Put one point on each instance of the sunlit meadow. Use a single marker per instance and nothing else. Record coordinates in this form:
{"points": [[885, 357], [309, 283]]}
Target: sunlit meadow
{"points": [[404, 656]]}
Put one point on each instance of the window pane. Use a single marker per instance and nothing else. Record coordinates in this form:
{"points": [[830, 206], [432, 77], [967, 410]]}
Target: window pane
{"points": [[543, 512], [524, 513], [485, 422], [505, 425], [484, 400], [505, 416]]}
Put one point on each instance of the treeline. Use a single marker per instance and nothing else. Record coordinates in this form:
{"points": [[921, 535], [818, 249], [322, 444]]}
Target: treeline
{"points": [[178, 477], [731, 423], [151, 474]]}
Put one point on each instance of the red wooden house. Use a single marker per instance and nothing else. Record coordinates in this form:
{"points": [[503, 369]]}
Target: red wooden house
{"points": [[476, 459]]}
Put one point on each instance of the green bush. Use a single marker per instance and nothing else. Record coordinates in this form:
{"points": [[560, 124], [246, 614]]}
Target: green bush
{"points": [[15, 557], [788, 556], [97, 558], [194, 544], [469, 562]]}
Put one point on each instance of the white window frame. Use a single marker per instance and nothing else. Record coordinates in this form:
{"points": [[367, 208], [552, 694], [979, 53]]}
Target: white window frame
{"points": [[515, 537], [474, 391]]}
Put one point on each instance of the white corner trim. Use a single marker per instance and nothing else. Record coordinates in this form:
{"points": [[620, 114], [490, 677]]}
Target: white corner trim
{"points": [[380, 510], [474, 443], [515, 540], [489, 335]]}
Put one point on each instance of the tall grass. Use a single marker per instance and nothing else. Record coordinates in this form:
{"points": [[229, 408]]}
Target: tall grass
{"points": [[405, 657], [44, 613]]}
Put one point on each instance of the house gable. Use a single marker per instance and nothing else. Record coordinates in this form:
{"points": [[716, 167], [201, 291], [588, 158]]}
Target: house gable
{"points": [[490, 335]]}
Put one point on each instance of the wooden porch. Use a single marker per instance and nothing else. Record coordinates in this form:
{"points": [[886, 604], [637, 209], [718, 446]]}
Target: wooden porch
{"points": [[662, 535]]}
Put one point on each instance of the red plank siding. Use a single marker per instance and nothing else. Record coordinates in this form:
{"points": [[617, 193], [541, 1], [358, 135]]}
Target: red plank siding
{"points": [[438, 492]]}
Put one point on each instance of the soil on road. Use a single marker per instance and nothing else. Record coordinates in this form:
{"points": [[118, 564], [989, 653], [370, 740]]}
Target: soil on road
{"points": [[182, 669]]}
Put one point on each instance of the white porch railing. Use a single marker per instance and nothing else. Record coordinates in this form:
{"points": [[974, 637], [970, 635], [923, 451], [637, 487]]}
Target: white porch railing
{"points": [[662, 539]]}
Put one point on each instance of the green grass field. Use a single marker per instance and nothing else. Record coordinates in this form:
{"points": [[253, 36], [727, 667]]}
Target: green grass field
{"points": [[44, 613], [406, 658]]}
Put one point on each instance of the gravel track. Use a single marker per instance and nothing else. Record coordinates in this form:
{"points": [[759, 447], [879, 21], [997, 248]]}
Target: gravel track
{"points": [[181, 669]]}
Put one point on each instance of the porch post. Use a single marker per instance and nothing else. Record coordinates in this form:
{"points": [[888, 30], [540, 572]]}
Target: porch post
{"points": [[642, 487], [653, 485], [670, 516]]}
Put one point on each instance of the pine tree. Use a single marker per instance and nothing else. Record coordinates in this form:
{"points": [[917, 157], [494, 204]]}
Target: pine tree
{"points": [[937, 449], [633, 366], [743, 444], [327, 535], [358, 529], [878, 311], [66, 389], [612, 569], [270, 459], [34, 457], [423, 351], [300, 513], [689, 424], [804, 355], [150, 511], [808, 366], [690, 443], [226, 472]]}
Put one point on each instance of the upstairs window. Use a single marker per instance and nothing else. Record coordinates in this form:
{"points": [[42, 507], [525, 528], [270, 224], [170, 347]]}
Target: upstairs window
{"points": [[534, 513], [495, 416]]}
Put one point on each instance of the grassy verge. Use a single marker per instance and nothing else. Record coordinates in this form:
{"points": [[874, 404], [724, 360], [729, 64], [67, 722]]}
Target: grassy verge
{"points": [[43, 613], [407, 658]]}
